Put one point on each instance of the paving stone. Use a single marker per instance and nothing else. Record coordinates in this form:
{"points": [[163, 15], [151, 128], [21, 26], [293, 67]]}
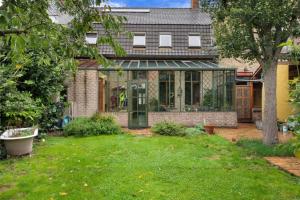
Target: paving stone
{"points": [[288, 164], [247, 131]]}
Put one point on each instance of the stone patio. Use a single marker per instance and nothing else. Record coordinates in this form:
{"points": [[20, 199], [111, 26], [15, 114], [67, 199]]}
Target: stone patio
{"points": [[288, 164], [247, 131]]}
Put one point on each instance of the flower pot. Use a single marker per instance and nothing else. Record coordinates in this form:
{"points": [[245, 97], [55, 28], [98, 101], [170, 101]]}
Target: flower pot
{"points": [[209, 129], [17, 146]]}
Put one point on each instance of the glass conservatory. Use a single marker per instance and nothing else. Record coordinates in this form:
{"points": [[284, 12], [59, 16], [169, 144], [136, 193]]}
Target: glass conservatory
{"points": [[142, 87]]}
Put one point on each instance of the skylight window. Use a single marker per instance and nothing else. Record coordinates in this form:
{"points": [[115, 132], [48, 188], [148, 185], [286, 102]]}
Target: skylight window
{"points": [[139, 40], [165, 40], [91, 38], [194, 40]]}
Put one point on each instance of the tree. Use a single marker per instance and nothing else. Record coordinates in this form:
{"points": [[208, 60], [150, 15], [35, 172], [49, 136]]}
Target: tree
{"points": [[37, 55], [253, 30]]}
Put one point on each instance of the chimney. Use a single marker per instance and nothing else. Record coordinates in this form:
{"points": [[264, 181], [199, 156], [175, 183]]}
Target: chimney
{"points": [[195, 4]]}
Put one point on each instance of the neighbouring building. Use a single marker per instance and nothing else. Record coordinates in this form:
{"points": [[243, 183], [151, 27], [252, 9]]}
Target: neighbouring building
{"points": [[170, 73]]}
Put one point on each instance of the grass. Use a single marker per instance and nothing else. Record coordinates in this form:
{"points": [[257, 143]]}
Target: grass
{"points": [[256, 147], [127, 167]]}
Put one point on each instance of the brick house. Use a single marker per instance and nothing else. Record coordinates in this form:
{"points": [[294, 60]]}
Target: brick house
{"points": [[169, 73]]}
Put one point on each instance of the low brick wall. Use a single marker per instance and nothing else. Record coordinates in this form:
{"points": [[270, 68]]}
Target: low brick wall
{"points": [[121, 117], [220, 119]]}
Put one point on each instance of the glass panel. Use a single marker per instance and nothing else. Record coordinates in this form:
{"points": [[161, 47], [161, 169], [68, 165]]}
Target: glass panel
{"points": [[143, 64], [196, 76], [116, 92], [192, 91], [161, 64], [152, 64], [125, 64], [138, 104], [134, 64], [196, 94], [166, 90], [188, 76], [134, 90], [138, 75], [188, 99]]}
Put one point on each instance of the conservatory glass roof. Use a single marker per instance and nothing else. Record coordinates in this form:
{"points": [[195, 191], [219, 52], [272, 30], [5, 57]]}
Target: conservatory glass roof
{"points": [[163, 65]]}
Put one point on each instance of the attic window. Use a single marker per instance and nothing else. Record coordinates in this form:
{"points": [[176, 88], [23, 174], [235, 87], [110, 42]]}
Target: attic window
{"points": [[165, 40], [91, 38], [194, 41], [139, 40]]}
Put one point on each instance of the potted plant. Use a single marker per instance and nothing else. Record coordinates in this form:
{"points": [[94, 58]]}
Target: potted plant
{"points": [[21, 112], [209, 128]]}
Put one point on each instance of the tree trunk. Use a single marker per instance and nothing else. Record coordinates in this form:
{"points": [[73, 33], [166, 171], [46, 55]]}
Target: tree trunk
{"points": [[270, 131]]}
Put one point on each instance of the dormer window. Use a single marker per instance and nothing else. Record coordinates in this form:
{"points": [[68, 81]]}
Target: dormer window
{"points": [[165, 40], [194, 41], [91, 38], [139, 40]]}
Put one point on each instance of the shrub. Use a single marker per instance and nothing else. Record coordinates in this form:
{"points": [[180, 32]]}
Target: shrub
{"points": [[103, 118], [200, 127], [20, 109], [52, 117], [257, 147], [193, 132], [294, 123], [168, 128], [97, 125]]}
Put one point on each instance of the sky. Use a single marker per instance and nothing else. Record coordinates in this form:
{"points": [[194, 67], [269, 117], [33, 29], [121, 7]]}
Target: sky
{"points": [[151, 3], [148, 3]]}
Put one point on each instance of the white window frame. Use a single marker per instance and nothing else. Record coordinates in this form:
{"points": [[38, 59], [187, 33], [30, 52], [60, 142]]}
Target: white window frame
{"points": [[191, 44], [91, 40], [163, 37], [137, 37]]}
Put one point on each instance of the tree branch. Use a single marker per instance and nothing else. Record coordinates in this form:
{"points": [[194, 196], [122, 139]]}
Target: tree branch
{"points": [[10, 32]]}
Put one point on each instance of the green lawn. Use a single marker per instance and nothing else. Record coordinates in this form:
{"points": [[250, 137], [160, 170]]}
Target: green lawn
{"points": [[128, 167]]}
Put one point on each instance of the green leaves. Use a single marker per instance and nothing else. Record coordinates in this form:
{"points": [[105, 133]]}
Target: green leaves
{"points": [[21, 110], [37, 55], [253, 30]]}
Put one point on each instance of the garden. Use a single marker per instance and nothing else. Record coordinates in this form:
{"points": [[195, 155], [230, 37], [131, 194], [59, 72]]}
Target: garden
{"points": [[93, 157], [96, 159], [134, 167]]}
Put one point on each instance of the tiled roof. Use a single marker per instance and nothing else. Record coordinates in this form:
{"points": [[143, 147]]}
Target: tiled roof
{"points": [[164, 16]]}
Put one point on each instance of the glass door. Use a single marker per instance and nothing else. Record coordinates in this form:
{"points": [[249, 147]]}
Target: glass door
{"points": [[137, 104]]}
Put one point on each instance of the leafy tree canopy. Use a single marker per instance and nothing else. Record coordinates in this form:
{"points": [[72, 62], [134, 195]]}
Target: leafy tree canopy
{"points": [[36, 55], [254, 29]]}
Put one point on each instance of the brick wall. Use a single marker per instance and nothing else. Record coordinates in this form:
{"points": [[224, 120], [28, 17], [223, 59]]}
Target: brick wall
{"points": [[83, 93], [220, 119], [121, 117]]}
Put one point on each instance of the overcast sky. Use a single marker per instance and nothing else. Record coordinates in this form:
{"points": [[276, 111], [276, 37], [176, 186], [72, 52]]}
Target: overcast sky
{"points": [[151, 3]]}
